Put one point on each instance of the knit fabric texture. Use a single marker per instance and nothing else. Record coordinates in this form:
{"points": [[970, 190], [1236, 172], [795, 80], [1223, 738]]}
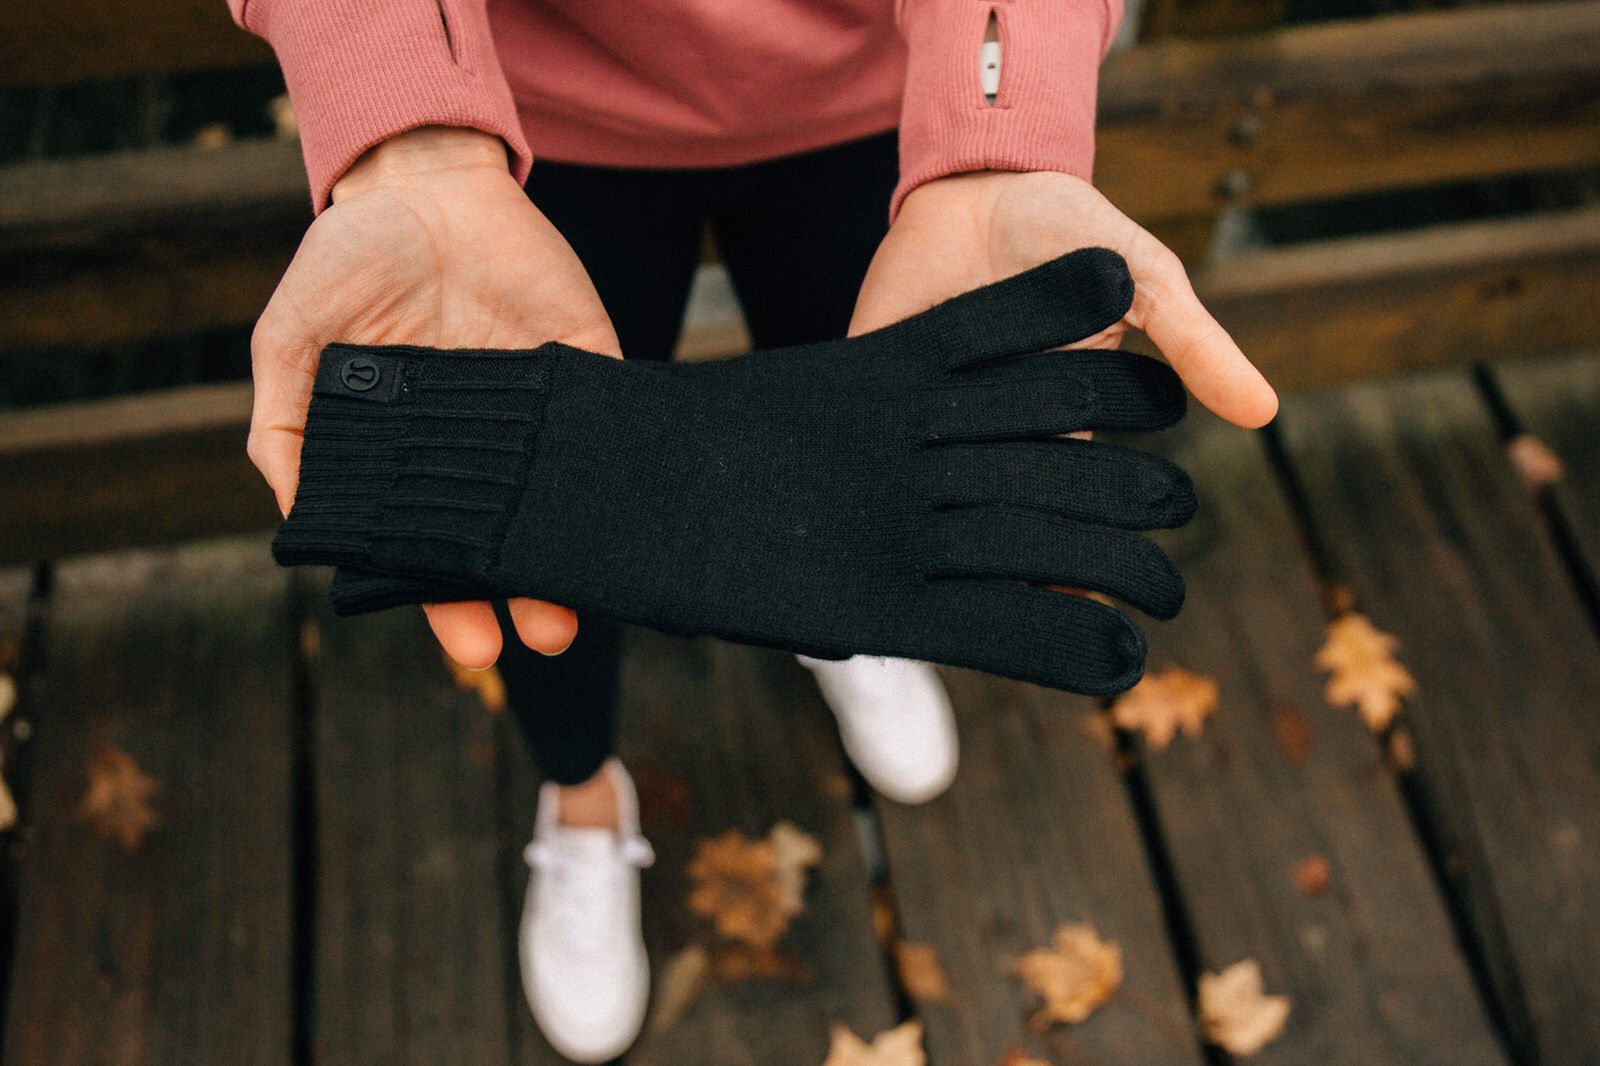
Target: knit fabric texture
{"points": [[905, 492]]}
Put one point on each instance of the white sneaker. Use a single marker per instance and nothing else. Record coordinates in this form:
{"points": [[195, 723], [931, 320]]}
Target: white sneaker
{"points": [[895, 721], [584, 968]]}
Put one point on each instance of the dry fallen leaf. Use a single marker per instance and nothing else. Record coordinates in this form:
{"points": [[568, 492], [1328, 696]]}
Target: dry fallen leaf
{"points": [[1076, 974], [1292, 730], [210, 137], [900, 1046], [117, 802], [1164, 702], [678, 986], [1311, 875], [487, 683], [1359, 658], [752, 889], [1235, 1015], [8, 695], [1402, 750], [1536, 465], [920, 973], [1017, 1057]]}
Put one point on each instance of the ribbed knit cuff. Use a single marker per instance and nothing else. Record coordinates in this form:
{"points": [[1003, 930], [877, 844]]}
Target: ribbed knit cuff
{"points": [[414, 459], [362, 71], [1043, 116]]}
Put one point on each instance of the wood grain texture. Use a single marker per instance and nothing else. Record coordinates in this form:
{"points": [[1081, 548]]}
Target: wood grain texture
{"points": [[135, 470], [1339, 108], [1421, 516], [1369, 962], [410, 953], [1558, 401], [1336, 311], [77, 40], [178, 950], [723, 737], [1036, 831]]}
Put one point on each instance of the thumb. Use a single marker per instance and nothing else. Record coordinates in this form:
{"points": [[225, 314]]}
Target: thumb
{"points": [[1194, 343]]}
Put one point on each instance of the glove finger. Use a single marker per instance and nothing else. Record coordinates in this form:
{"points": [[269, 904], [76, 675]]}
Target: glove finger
{"points": [[1090, 481], [1055, 392], [1059, 302], [1008, 542], [1035, 634]]}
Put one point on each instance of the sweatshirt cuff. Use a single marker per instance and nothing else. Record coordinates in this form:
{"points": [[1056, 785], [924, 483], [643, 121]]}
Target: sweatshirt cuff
{"points": [[362, 71], [1043, 115]]}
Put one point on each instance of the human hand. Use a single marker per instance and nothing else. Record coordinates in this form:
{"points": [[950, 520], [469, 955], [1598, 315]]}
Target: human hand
{"points": [[956, 233], [429, 241]]}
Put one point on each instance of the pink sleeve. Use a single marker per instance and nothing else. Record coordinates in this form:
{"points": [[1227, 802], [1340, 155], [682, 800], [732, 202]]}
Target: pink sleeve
{"points": [[361, 71], [1043, 115]]}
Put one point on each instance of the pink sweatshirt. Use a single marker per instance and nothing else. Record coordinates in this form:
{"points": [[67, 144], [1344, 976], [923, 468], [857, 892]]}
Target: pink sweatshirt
{"points": [[689, 83]]}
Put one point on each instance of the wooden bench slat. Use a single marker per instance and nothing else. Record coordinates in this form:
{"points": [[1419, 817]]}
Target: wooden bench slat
{"points": [[1558, 400], [1237, 810], [722, 737], [179, 950], [411, 964], [1036, 831], [1420, 514]]}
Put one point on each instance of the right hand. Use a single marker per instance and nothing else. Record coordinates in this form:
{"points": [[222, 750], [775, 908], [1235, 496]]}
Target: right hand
{"points": [[430, 241]]}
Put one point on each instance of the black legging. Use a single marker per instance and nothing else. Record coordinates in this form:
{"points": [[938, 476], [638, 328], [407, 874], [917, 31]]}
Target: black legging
{"points": [[796, 235]]}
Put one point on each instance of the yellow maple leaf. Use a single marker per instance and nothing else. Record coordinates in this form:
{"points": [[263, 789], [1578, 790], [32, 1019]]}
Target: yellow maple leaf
{"points": [[487, 683], [117, 802], [1162, 703], [900, 1046], [920, 972], [1234, 1012], [752, 889], [1359, 660], [1076, 974]]}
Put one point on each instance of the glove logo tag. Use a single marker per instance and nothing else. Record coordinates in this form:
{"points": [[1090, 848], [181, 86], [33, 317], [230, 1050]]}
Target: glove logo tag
{"points": [[359, 374]]}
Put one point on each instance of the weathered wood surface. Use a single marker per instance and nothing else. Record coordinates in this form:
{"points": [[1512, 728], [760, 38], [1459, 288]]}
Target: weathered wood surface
{"points": [[1036, 831], [410, 962], [1339, 108], [725, 737], [1337, 311], [66, 41], [1420, 515], [177, 950], [1558, 401], [134, 470], [1278, 777], [51, 203]]}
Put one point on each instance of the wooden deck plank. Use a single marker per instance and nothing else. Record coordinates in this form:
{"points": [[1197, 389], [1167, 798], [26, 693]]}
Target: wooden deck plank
{"points": [[1370, 963], [177, 950], [1036, 831], [720, 737], [1558, 401], [410, 960], [1420, 514]]}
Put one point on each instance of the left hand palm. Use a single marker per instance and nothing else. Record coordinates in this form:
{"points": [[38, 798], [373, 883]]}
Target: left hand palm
{"points": [[958, 233]]}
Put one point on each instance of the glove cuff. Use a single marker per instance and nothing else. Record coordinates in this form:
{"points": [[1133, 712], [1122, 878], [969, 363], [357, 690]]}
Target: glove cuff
{"points": [[415, 455]]}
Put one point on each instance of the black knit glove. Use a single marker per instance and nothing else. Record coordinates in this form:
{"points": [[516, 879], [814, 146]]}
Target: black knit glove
{"points": [[898, 493]]}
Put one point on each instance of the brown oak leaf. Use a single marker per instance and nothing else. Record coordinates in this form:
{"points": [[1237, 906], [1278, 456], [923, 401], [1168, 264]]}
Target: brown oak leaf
{"points": [[1015, 1056], [487, 683], [1536, 465], [1311, 875], [900, 1046], [1162, 703], [1235, 1014], [1359, 659], [920, 973], [1076, 974], [752, 889], [117, 802]]}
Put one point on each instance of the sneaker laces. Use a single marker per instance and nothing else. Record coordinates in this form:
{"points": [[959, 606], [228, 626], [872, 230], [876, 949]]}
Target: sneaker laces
{"points": [[587, 891]]}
